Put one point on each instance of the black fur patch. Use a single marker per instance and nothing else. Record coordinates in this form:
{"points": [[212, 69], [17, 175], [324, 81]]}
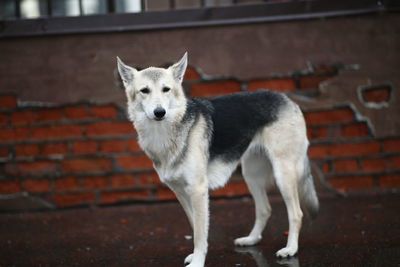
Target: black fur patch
{"points": [[234, 119]]}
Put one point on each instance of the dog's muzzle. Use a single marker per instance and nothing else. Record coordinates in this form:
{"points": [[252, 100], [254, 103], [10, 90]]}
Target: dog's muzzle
{"points": [[159, 113]]}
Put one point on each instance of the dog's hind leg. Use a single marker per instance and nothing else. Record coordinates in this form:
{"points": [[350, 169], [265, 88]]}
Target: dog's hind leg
{"points": [[255, 168], [286, 177]]}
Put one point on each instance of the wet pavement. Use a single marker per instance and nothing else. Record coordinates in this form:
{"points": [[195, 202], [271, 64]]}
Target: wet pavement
{"points": [[352, 231]]}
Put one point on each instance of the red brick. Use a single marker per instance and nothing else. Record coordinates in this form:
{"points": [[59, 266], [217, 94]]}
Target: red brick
{"points": [[84, 147], [25, 150], [323, 68], [310, 133], [274, 84], [116, 196], [76, 112], [3, 120], [104, 111], [355, 130], [122, 180], [376, 94], [392, 144], [361, 148], [132, 145], [329, 116], [70, 199], [318, 151], [4, 152], [23, 117], [214, 88], [11, 134], [109, 128], [56, 131], [395, 162], [326, 167], [319, 133], [390, 180], [50, 114], [164, 193], [148, 178], [352, 182], [345, 165], [8, 101], [334, 131], [231, 189], [116, 145], [313, 81], [10, 186], [191, 74], [34, 167], [54, 148], [344, 149], [94, 182], [134, 162], [373, 164], [66, 183], [85, 164], [37, 185]]}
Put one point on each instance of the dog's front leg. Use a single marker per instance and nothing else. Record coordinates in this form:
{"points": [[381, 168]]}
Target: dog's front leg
{"points": [[199, 201], [184, 199]]}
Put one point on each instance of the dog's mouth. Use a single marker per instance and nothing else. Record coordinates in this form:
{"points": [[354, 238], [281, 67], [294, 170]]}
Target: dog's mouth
{"points": [[159, 119]]}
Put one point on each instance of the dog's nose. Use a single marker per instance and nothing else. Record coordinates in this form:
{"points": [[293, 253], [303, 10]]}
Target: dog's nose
{"points": [[159, 112]]}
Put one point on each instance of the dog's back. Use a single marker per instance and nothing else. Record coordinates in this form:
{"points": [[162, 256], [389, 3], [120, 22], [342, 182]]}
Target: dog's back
{"points": [[237, 117]]}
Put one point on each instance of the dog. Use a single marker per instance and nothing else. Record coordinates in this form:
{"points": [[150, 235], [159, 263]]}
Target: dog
{"points": [[196, 144]]}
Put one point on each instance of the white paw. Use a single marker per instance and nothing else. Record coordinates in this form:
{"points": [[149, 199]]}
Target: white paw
{"points": [[286, 252], [195, 260], [188, 259], [247, 241]]}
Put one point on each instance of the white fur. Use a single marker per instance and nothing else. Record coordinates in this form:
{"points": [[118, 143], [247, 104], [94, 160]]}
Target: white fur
{"points": [[277, 152], [219, 172]]}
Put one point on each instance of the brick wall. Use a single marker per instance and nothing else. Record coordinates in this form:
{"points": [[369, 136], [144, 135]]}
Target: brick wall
{"points": [[87, 154]]}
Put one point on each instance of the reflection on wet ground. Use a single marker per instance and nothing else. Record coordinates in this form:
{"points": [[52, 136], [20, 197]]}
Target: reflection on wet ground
{"points": [[261, 261], [354, 231]]}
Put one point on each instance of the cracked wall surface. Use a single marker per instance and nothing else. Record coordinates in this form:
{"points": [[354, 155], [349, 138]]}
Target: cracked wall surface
{"points": [[65, 140]]}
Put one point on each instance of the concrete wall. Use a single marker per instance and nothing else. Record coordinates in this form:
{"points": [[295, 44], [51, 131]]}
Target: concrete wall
{"points": [[71, 68]]}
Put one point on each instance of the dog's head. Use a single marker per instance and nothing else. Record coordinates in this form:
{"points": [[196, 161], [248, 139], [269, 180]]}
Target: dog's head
{"points": [[155, 93]]}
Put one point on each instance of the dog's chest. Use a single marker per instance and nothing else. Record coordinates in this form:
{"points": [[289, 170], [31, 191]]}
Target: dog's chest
{"points": [[157, 143], [162, 144]]}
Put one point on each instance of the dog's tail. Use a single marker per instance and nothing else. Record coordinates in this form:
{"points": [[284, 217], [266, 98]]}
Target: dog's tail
{"points": [[308, 196]]}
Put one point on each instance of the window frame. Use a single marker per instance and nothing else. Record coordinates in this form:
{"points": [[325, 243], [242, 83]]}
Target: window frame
{"points": [[184, 18]]}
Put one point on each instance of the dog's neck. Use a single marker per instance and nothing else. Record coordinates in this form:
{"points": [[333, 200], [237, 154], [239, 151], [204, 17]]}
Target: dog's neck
{"points": [[163, 140]]}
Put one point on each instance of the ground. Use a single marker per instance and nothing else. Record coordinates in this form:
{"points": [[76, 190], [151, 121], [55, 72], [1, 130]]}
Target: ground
{"points": [[351, 231]]}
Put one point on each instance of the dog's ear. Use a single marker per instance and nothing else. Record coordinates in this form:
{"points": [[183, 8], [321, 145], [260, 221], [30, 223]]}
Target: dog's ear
{"points": [[127, 73], [179, 68]]}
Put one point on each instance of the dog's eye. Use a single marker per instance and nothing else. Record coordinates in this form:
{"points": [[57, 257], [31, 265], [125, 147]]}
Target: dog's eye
{"points": [[145, 90], [166, 89]]}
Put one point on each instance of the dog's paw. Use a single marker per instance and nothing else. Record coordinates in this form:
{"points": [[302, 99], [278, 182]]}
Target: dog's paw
{"points": [[286, 252], [188, 259], [194, 261], [247, 241]]}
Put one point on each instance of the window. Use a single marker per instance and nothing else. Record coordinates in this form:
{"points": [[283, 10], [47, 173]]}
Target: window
{"points": [[30, 9], [44, 17], [7, 9]]}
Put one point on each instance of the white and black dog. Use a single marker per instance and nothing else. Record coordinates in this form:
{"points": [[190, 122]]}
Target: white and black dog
{"points": [[196, 144]]}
